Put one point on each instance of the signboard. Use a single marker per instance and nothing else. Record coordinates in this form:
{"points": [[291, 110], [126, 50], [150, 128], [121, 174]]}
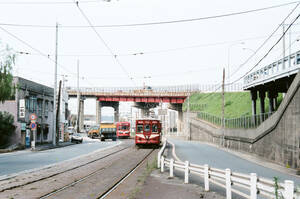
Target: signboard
{"points": [[162, 111], [23, 126], [32, 117], [22, 108], [33, 126]]}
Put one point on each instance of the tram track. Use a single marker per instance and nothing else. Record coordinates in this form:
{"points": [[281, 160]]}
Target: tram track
{"points": [[64, 171], [107, 191]]}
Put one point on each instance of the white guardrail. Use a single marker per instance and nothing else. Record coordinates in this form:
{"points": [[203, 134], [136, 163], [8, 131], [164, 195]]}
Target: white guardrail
{"points": [[226, 179]]}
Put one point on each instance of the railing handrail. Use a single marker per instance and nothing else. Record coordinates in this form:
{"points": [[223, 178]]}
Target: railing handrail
{"points": [[273, 69], [255, 184]]}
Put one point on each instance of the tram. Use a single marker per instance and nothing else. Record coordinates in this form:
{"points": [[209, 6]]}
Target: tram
{"points": [[148, 132], [123, 129]]}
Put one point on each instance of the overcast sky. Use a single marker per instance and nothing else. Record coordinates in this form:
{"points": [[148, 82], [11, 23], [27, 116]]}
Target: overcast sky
{"points": [[172, 54]]}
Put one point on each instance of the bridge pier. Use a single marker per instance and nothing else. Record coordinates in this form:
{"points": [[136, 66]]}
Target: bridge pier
{"points": [[272, 95], [262, 96], [178, 108], [116, 113], [98, 112], [254, 98]]}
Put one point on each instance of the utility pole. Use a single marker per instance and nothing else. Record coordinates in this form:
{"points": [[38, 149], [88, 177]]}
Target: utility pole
{"points": [[223, 106], [78, 97], [57, 113], [55, 86], [188, 116]]}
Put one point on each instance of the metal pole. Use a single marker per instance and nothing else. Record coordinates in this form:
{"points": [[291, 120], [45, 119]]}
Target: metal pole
{"points": [[188, 116], [78, 97], [54, 94], [223, 105]]}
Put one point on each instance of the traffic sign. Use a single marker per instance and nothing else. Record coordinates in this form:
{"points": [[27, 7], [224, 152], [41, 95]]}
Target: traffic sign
{"points": [[32, 116], [33, 126]]}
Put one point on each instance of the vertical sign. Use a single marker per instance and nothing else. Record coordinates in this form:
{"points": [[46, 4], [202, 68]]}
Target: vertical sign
{"points": [[22, 108]]}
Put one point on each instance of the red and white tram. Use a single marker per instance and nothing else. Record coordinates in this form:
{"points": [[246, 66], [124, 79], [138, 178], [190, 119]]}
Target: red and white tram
{"points": [[148, 132], [123, 129]]}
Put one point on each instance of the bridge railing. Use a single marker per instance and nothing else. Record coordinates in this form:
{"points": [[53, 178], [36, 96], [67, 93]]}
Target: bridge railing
{"points": [[275, 70], [244, 122], [161, 89], [245, 185]]}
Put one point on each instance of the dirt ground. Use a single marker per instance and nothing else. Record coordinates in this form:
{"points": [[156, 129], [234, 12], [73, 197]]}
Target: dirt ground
{"points": [[148, 183]]}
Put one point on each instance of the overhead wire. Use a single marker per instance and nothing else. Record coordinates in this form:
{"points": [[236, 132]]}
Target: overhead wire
{"points": [[35, 49], [231, 83], [104, 42], [155, 23]]}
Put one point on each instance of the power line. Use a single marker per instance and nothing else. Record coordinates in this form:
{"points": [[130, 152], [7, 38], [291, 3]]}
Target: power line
{"points": [[45, 2], [154, 51], [152, 23], [260, 48], [268, 51], [34, 49], [103, 41]]}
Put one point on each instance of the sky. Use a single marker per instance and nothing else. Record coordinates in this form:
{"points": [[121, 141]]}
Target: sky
{"points": [[192, 52]]}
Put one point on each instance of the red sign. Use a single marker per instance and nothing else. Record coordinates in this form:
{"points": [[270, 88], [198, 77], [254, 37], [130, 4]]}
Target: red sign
{"points": [[32, 116]]}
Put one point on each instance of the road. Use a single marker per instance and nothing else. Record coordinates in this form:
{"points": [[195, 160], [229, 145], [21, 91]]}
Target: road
{"points": [[16, 162], [200, 153]]}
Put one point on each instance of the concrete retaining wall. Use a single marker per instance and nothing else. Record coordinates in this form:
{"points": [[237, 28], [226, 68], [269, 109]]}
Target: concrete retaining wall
{"points": [[277, 139]]}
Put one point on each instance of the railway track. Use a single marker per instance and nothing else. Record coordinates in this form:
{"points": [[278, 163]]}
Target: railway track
{"points": [[68, 170], [105, 193], [112, 168]]}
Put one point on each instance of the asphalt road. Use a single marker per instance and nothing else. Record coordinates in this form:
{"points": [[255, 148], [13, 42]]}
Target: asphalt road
{"points": [[200, 153], [16, 162]]}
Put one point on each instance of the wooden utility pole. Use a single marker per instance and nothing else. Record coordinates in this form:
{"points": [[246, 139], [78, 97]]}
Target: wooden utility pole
{"points": [[223, 106]]}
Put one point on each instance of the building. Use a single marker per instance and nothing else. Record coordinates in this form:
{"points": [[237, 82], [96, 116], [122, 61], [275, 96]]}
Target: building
{"points": [[31, 97]]}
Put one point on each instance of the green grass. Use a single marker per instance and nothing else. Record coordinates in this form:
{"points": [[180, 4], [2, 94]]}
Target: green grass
{"points": [[237, 104]]}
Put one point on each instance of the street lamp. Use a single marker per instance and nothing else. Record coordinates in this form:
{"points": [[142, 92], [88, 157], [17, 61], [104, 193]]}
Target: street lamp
{"points": [[146, 77], [228, 58]]}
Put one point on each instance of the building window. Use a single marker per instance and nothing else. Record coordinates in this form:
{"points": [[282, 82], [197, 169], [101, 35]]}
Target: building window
{"points": [[46, 108], [40, 107]]}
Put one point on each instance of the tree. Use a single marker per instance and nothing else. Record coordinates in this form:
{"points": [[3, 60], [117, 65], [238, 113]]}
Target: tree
{"points": [[7, 60], [7, 128]]}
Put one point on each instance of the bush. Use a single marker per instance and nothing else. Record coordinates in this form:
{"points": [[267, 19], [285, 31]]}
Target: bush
{"points": [[7, 128]]}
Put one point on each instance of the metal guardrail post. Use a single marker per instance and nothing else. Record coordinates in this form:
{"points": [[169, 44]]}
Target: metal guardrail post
{"points": [[228, 183], [288, 189], [206, 178], [253, 186], [171, 168], [162, 164], [186, 172]]}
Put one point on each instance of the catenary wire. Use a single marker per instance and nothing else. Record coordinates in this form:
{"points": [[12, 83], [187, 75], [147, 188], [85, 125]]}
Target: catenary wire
{"points": [[156, 23], [103, 41]]}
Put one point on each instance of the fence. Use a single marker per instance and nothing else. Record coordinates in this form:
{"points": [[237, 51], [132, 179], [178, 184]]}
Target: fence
{"points": [[240, 122], [229, 180]]}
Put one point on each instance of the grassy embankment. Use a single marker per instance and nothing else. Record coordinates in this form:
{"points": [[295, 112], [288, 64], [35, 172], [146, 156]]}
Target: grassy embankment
{"points": [[237, 104]]}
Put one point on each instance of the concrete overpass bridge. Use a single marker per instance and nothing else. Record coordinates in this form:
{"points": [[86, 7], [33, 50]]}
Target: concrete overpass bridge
{"points": [[143, 98], [272, 79]]}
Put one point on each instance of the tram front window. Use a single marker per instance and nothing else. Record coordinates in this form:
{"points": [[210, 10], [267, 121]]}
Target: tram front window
{"points": [[147, 128], [154, 128], [140, 128]]}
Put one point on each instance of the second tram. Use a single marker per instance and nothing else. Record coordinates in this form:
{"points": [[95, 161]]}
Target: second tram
{"points": [[123, 129]]}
